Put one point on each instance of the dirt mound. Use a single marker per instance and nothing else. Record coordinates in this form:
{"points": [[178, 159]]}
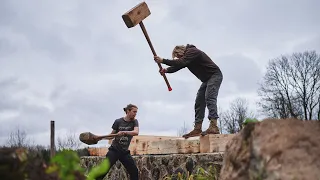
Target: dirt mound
{"points": [[274, 149]]}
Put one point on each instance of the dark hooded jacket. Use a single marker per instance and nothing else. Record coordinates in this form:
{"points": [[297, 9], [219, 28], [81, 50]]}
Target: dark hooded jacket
{"points": [[196, 61]]}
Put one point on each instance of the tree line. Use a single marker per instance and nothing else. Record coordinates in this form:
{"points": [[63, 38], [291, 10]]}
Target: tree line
{"points": [[18, 138]]}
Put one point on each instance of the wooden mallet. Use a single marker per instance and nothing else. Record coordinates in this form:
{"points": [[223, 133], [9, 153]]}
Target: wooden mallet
{"points": [[135, 16], [88, 138]]}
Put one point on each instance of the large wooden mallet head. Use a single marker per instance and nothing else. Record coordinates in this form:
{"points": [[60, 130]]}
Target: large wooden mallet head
{"points": [[135, 16], [88, 138]]}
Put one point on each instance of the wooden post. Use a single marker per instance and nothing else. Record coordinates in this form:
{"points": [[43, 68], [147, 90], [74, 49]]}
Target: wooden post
{"points": [[52, 145]]}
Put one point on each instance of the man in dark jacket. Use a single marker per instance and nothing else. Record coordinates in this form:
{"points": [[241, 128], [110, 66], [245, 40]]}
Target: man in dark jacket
{"points": [[208, 73]]}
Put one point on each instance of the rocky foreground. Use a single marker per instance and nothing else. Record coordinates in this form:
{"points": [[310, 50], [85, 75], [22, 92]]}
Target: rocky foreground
{"points": [[274, 150]]}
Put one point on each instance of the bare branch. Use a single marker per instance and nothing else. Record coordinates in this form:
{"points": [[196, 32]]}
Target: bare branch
{"points": [[68, 141], [18, 138], [291, 86], [233, 118], [183, 130]]}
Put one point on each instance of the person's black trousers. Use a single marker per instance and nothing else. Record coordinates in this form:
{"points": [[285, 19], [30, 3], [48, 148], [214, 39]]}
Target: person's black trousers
{"points": [[127, 161]]}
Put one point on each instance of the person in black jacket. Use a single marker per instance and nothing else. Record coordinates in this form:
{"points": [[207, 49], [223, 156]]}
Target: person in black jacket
{"points": [[200, 64]]}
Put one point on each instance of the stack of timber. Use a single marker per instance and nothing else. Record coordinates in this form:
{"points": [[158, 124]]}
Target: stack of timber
{"points": [[156, 145]]}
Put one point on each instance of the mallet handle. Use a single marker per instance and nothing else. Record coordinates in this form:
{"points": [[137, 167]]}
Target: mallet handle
{"points": [[108, 136], [154, 52]]}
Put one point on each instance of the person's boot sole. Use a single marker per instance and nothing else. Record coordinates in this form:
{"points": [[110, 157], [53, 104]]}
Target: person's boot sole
{"points": [[193, 135], [205, 133]]}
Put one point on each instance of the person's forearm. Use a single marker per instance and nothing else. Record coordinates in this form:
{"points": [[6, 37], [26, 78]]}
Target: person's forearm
{"points": [[167, 62], [132, 133], [173, 69]]}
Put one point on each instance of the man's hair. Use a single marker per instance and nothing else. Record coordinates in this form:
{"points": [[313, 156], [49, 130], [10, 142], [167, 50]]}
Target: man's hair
{"points": [[129, 107], [178, 50]]}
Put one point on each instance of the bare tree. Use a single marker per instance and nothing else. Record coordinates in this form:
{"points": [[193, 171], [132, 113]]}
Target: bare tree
{"points": [[183, 130], [18, 138], [233, 118], [68, 141], [291, 87], [219, 122]]}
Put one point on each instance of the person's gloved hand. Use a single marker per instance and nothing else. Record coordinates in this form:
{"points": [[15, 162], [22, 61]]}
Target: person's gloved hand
{"points": [[163, 71], [158, 59]]}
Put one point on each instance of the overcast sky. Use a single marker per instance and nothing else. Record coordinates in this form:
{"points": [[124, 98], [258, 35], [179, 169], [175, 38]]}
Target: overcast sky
{"points": [[77, 63]]}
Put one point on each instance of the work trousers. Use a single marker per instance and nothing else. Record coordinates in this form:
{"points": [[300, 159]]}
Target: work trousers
{"points": [[207, 97], [127, 161]]}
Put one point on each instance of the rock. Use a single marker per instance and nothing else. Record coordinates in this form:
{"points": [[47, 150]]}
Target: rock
{"points": [[156, 173], [274, 149], [190, 165]]}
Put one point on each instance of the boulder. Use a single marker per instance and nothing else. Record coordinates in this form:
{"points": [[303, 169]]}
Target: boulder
{"points": [[274, 149]]}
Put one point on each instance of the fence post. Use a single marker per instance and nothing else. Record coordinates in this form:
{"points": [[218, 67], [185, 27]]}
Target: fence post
{"points": [[52, 145]]}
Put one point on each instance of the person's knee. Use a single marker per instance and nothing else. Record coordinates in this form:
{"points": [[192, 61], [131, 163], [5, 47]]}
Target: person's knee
{"points": [[211, 99]]}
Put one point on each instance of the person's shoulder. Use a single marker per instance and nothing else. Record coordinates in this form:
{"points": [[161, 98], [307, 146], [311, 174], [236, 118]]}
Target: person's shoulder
{"points": [[192, 50], [190, 46], [118, 119]]}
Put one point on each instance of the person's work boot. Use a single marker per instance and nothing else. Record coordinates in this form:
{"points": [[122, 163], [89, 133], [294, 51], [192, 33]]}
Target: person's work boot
{"points": [[195, 132], [213, 128]]}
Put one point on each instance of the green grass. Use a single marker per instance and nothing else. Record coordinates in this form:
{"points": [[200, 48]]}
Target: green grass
{"points": [[201, 174]]}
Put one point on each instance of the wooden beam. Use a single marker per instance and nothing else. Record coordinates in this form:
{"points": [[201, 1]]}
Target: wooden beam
{"points": [[214, 142], [98, 151], [171, 146], [145, 144], [139, 144]]}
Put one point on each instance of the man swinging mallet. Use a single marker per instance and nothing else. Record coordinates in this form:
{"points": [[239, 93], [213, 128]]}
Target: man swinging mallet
{"points": [[208, 73]]}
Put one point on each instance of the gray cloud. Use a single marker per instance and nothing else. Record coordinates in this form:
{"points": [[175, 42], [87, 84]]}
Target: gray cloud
{"points": [[241, 70], [78, 64]]}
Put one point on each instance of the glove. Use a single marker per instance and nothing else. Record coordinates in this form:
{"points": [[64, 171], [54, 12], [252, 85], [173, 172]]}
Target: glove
{"points": [[163, 71]]}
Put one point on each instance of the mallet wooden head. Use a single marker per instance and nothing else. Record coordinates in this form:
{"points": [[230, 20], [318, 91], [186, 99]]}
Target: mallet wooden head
{"points": [[136, 15], [88, 138]]}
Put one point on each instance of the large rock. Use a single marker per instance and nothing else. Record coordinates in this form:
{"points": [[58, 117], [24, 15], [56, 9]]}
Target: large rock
{"points": [[274, 149], [154, 167]]}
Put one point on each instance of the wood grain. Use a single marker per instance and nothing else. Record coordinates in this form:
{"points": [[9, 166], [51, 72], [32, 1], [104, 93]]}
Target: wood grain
{"points": [[135, 15]]}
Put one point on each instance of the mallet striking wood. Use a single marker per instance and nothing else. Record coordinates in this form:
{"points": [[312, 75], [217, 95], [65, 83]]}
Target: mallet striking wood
{"points": [[135, 16]]}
